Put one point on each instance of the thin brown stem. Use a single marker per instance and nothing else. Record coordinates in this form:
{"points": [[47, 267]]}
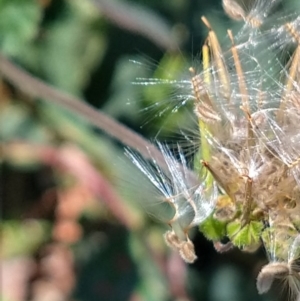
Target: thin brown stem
{"points": [[36, 88], [140, 20]]}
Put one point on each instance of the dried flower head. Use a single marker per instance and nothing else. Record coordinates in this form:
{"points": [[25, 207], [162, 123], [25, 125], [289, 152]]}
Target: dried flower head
{"points": [[246, 100]]}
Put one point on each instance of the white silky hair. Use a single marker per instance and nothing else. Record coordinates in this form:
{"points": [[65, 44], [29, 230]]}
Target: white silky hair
{"points": [[190, 198]]}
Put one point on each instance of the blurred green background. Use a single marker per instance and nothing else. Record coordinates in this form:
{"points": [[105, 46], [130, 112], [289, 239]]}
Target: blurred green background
{"points": [[71, 227]]}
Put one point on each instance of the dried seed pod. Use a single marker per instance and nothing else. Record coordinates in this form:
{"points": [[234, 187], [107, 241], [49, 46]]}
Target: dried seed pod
{"points": [[206, 113], [222, 248], [187, 251], [172, 240], [270, 272], [233, 10]]}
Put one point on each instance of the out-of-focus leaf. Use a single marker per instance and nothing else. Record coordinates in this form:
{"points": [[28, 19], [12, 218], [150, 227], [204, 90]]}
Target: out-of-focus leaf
{"points": [[213, 229], [125, 101], [249, 235], [22, 237], [152, 285], [74, 129], [166, 100], [19, 20], [17, 123], [20, 156], [71, 48]]}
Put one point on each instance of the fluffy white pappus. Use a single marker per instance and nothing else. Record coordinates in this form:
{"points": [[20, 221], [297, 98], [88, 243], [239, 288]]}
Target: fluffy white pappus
{"points": [[255, 14], [260, 55], [273, 44], [220, 98], [172, 91], [279, 131], [190, 199], [172, 96], [284, 33], [259, 23], [258, 17], [246, 159], [260, 10], [246, 74], [220, 91], [239, 83], [288, 273], [245, 172]]}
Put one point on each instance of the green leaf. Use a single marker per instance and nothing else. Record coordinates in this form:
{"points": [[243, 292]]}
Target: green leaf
{"points": [[17, 122], [23, 238], [19, 21], [152, 284], [213, 229], [247, 236], [71, 49], [164, 100]]}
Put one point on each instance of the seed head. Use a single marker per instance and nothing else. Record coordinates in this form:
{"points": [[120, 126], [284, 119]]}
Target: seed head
{"points": [[246, 99]]}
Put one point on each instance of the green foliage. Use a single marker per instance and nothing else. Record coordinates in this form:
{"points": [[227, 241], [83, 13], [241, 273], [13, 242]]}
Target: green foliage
{"points": [[23, 238], [19, 24], [213, 229], [247, 236], [17, 122], [72, 47], [170, 113]]}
